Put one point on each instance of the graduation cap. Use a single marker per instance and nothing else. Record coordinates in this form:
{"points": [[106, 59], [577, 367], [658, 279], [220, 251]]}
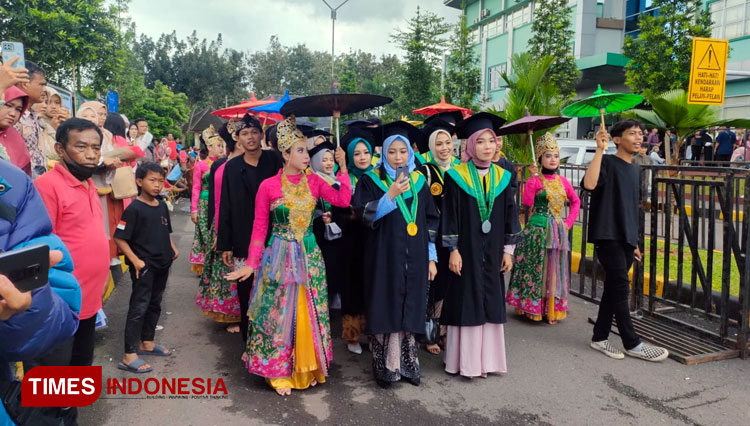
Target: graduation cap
{"points": [[362, 122], [450, 117], [310, 133], [477, 122], [323, 146], [355, 133], [402, 128], [435, 125]]}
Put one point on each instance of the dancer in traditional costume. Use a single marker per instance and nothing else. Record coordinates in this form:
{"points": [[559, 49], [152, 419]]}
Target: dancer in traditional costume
{"points": [[540, 283], [199, 200], [290, 343], [479, 224], [217, 297], [439, 137], [401, 221]]}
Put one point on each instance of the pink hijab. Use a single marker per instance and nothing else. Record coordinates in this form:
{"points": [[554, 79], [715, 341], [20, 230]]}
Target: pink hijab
{"points": [[11, 140], [470, 152]]}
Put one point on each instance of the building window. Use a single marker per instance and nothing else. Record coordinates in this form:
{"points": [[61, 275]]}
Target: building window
{"points": [[731, 18], [474, 37], [496, 76], [493, 28], [520, 16]]}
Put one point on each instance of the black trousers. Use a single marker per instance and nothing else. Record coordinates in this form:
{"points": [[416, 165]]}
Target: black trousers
{"points": [[145, 306], [696, 152], [83, 342], [723, 157], [243, 292], [616, 257]]}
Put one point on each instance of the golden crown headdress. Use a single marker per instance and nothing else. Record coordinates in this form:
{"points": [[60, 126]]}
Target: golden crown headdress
{"points": [[546, 143], [211, 137], [288, 134], [235, 125]]}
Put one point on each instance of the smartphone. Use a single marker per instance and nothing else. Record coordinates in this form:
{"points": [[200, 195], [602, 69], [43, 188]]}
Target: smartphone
{"points": [[401, 172], [26, 268], [11, 49]]}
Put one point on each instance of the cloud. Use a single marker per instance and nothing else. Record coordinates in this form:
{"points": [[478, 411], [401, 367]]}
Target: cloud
{"points": [[247, 25]]}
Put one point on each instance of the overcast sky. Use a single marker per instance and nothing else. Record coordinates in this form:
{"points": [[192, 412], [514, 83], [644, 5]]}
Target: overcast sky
{"points": [[247, 25]]}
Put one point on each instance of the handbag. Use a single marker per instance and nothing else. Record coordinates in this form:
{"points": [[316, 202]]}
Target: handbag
{"points": [[123, 184], [431, 334]]}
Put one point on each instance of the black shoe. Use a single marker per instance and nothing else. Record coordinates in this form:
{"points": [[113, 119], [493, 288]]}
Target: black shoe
{"points": [[414, 382], [383, 384]]}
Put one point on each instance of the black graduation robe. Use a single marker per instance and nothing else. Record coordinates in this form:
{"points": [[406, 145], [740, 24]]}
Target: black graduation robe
{"points": [[478, 295], [396, 264], [335, 252], [352, 291]]}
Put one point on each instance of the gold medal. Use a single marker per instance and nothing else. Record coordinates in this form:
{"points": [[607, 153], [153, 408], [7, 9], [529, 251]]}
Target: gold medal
{"points": [[412, 229], [436, 189]]}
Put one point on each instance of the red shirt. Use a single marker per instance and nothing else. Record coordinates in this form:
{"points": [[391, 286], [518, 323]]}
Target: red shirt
{"points": [[77, 219], [172, 150]]}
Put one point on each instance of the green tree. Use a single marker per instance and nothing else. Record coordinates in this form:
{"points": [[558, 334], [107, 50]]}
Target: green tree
{"points": [[670, 110], [463, 78], [424, 43], [67, 37], [164, 110], [661, 54], [553, 36], [529, 89]]}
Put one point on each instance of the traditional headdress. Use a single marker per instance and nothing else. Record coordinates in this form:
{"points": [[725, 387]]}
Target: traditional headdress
{"points": [[546, 143], [288, 134], [234, 126], [211, 137]]}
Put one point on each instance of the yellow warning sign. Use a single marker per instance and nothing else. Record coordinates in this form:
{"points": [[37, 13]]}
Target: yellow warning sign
{"points": [[708, 71]]}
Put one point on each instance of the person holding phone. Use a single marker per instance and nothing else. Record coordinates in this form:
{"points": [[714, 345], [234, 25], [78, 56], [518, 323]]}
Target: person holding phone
{"points": [[401, 224], [12, 145], [30, 125], [614, 182]]}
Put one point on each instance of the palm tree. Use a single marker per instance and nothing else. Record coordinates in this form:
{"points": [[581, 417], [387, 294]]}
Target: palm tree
{"points": [[529, 89], [670, 110]]}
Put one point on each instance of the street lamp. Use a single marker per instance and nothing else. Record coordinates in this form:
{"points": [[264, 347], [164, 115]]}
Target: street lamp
{"points": [[333, 31]]}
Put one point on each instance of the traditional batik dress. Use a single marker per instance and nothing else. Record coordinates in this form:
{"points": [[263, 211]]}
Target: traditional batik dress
{"points": [[540, 282], [290, 342], [217, 297], [199, 204]]}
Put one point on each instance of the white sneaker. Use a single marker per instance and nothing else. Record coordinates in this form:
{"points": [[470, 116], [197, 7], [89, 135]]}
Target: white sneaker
{"points": [[354, 348], [607, 349], [648, 352]]}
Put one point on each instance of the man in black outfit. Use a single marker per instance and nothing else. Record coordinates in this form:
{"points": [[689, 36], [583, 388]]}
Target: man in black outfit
{"points": [[242, 177], [614, 182]]}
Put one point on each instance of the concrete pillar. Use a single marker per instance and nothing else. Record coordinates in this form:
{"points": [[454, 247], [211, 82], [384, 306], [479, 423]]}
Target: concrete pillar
{"points": [[585, 37]]}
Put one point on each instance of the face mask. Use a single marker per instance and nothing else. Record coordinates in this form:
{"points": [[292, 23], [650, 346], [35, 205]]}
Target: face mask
{"points": [[78, 171]]}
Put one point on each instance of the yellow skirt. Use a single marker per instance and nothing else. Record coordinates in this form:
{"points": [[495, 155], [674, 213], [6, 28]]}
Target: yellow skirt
{"points": [[306, 368]]}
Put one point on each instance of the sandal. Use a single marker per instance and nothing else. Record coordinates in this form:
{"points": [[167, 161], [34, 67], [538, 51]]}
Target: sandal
{"points": [[134, 367], [158, 350]]}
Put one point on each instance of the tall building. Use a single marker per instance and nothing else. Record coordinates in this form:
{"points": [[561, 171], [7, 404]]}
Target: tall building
{"points": [[501, 28]]}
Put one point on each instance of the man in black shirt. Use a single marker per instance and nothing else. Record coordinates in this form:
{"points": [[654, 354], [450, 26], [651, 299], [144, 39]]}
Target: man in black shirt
{"points": [[242, 177], [614, 182]]}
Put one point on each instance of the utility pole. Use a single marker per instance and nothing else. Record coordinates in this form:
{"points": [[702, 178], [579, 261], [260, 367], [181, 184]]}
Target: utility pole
{"points": [[333, 33]]}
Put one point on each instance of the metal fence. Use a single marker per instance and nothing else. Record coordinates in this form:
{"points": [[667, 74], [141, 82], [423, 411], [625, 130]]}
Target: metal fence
{"points": [[694, 236]]}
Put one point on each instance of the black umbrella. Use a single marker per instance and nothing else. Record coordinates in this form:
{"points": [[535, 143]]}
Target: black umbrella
{"points": [[333, 105]]}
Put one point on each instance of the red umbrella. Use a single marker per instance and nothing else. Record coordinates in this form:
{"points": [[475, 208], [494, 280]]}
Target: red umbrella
{"points": [[442, 106], [237, 111]]}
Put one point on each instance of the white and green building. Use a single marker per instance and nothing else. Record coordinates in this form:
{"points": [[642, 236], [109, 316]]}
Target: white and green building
{"points": [[502, 28]]}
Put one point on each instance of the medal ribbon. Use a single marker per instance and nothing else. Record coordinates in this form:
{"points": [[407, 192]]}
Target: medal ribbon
{"points": [[484, 199], [409, 216]]}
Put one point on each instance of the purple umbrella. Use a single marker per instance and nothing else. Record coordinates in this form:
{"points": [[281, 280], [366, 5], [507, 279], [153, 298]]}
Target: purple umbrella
{"points": [[529, 124]]}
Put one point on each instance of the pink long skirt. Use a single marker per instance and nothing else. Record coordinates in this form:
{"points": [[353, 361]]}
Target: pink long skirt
{"points": [[475, 351]]}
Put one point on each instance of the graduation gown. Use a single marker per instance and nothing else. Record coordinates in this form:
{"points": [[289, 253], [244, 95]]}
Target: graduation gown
{"points": [[396, 264], [335, 252], [478, 295]]}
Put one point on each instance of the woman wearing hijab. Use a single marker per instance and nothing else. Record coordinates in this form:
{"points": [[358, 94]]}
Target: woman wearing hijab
{"points": [[13, 145], [439, 159], [289, 342], [479, 225], [330, 223], [402, 222], [199, 200], [357, 144]]}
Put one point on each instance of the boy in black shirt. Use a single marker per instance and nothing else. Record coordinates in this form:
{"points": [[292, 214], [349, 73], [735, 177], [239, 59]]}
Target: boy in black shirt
{"points": [[614, 182], [143, 236]]}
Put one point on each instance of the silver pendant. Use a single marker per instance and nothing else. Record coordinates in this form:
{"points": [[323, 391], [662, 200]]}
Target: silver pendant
{"points": [[486, 226]]}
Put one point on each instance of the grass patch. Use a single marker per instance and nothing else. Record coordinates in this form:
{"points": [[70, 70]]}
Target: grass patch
{"points": [[687, 265]]}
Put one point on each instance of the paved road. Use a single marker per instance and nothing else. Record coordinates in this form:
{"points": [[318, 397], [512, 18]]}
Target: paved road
{"points": [[554, 379]]}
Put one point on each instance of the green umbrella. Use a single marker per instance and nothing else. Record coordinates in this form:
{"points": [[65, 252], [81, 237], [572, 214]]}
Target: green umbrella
{"points": [[602, 102]]}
